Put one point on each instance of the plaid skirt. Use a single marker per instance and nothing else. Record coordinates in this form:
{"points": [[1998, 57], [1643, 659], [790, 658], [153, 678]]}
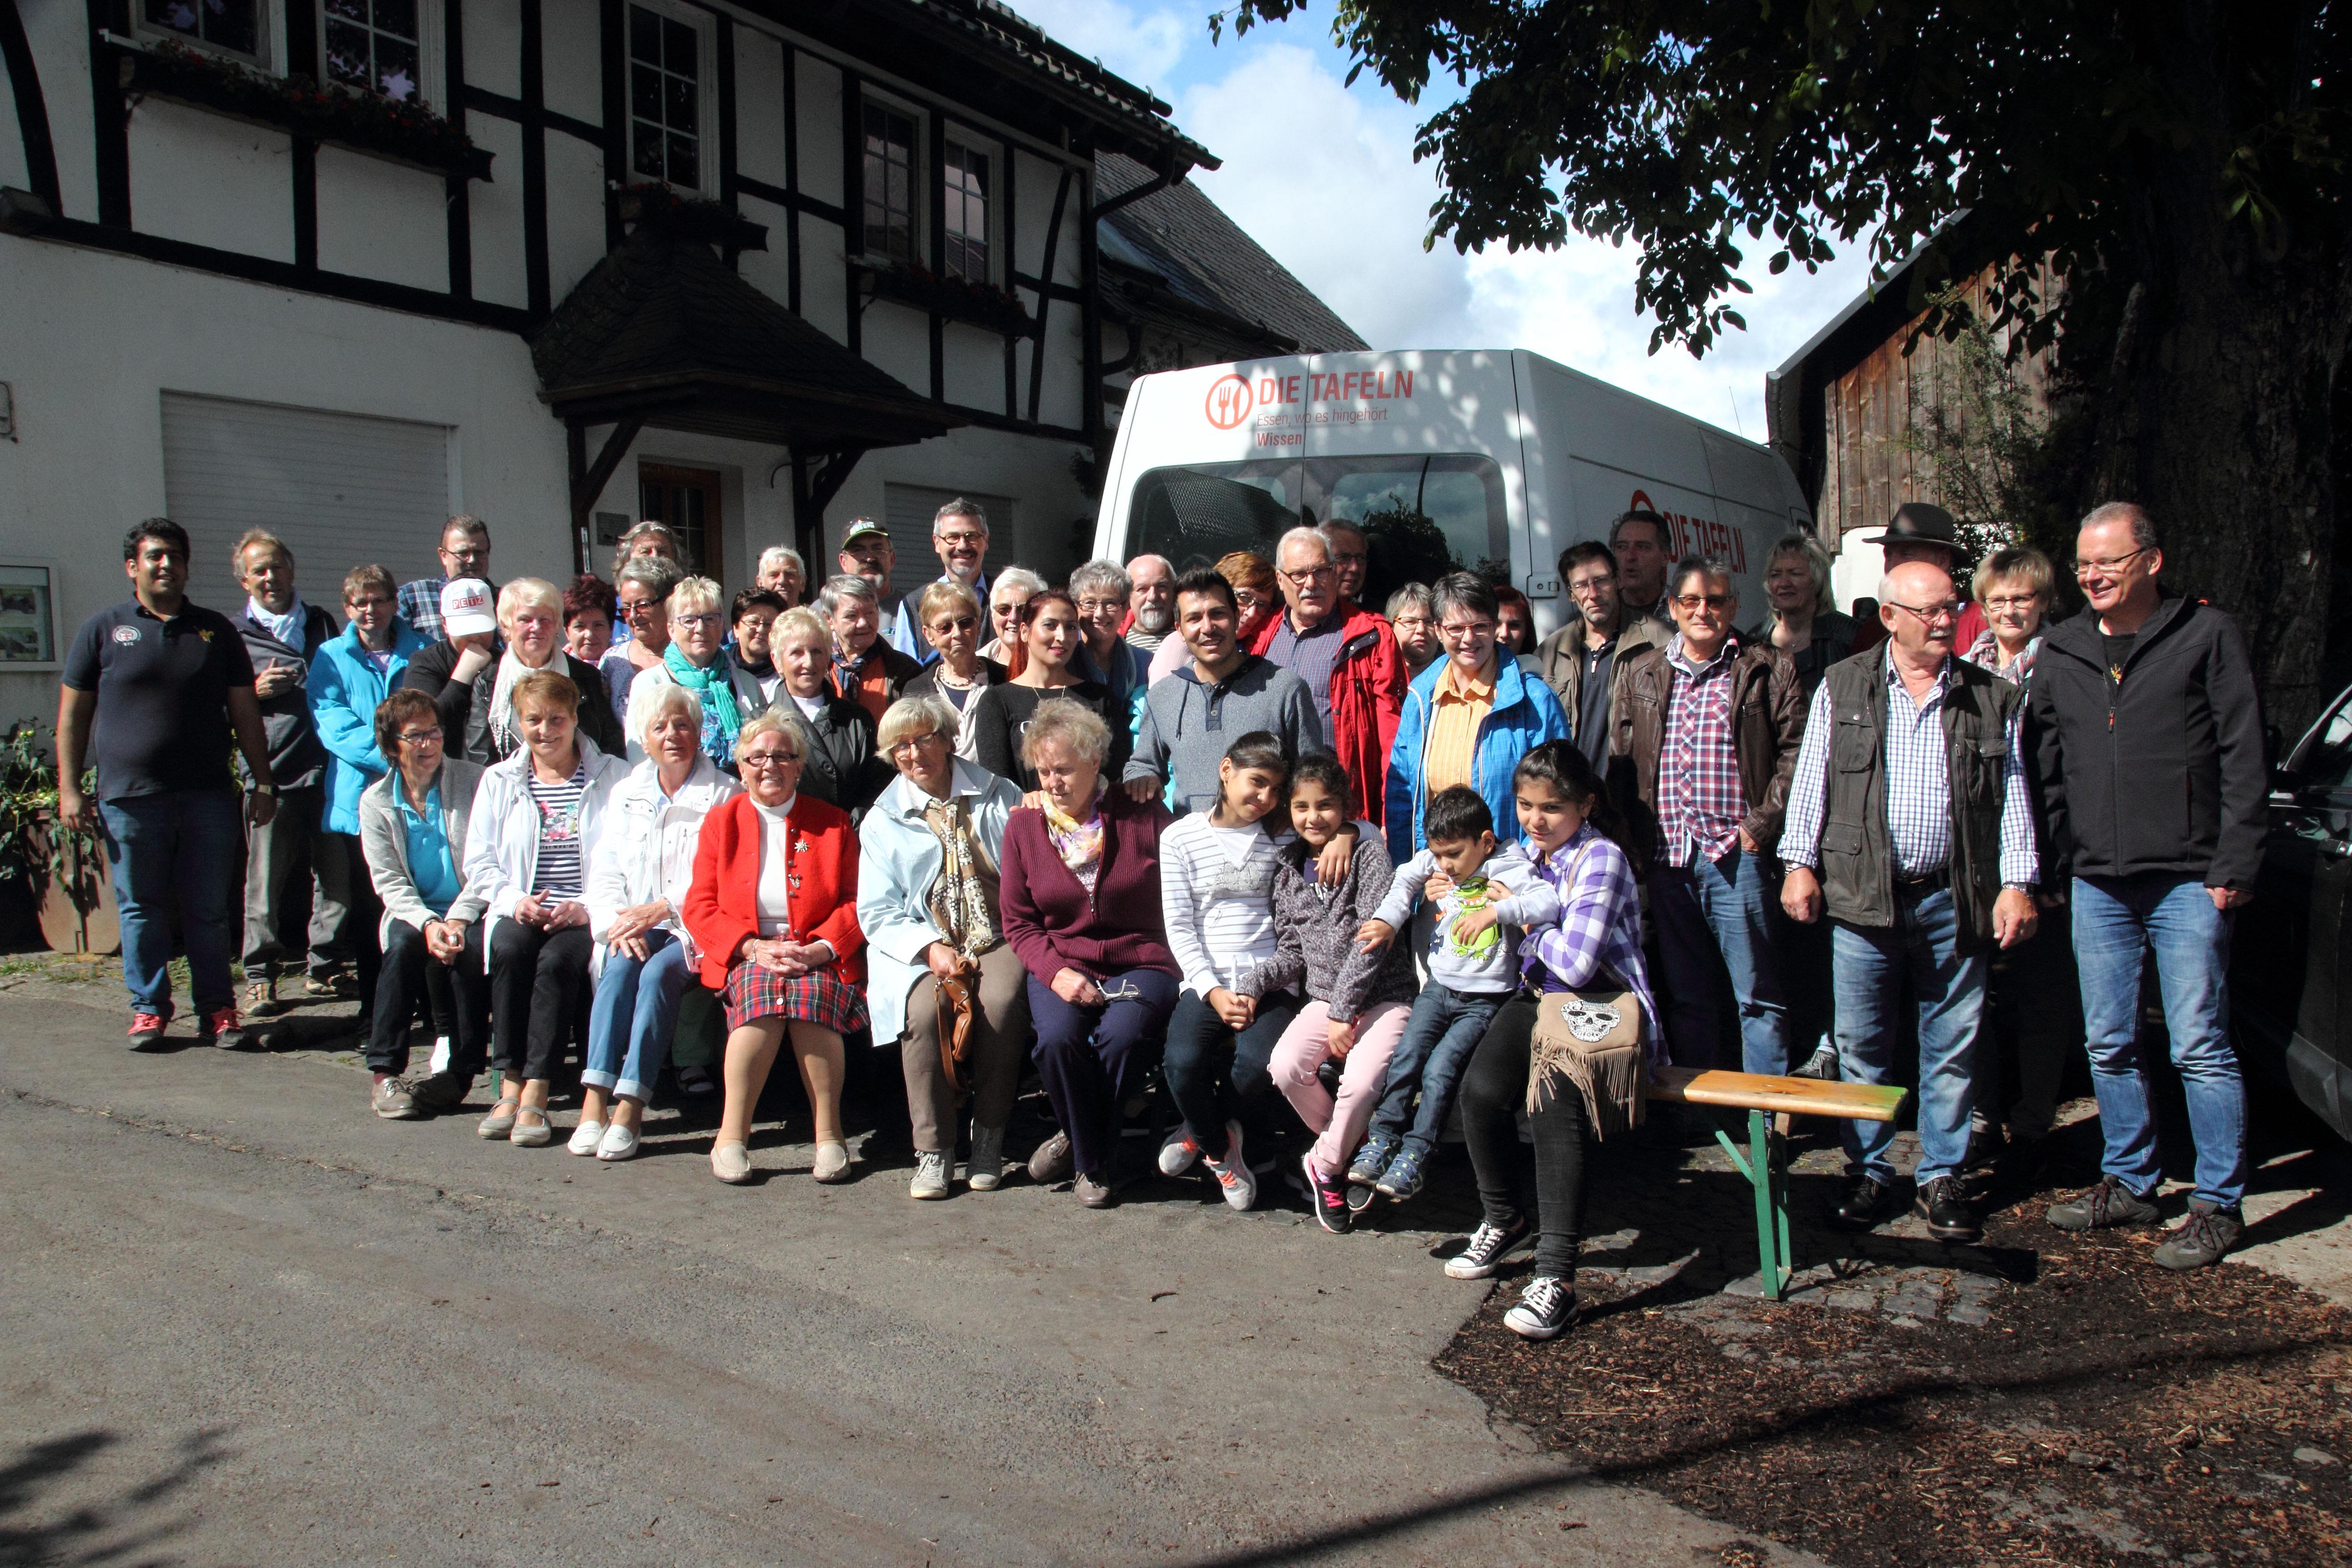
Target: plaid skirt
{"points": [[755, 992]]}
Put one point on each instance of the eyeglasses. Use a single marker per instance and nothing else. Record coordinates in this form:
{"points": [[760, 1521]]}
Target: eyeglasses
{"points": [[960, 541], [1591, 586], [372, 601], [1403, 621], [1101, 606], [1930, 613], [634, 608], [466, 551], [1248, 598], [705, 618], [2013, 602], [955, 622], [1123, 989], [421, 737], [908, 745], [1312, 574], [1456, 631], [775, 759], [1697, 602], [2085, 568]]}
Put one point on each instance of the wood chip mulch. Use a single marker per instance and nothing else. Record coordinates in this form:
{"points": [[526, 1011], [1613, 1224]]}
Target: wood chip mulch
{"points": [[2108, 1410]]}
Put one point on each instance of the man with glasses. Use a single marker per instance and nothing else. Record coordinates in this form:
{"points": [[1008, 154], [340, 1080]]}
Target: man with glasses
{"points": [[1468, 719], [1705, 735], [1919, 845], [1222, 693], [2149, 736], [1352, 557], [1579, 660], [465, 552], [1347, 656]]}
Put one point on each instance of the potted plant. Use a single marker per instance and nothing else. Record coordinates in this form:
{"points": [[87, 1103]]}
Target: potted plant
{"points": [[58, 878]]}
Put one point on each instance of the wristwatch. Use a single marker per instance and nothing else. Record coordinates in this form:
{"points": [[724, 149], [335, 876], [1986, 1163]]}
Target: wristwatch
{"points": [[267, 789]]}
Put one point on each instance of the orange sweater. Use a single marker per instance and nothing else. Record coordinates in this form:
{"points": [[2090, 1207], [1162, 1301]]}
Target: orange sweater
{"points": [[722, 907]]}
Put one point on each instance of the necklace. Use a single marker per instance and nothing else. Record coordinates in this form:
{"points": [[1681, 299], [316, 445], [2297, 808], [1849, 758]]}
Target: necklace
{"points": [[949, 678]]}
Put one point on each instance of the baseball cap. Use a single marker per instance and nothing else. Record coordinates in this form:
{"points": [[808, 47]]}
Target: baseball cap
{"points": [[466, 608], [864, 528]]}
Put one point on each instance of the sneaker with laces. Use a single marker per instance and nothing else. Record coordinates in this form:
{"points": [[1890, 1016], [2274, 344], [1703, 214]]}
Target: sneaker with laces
{"points": [[1178, 1154], [1822, 1064], [1946, 1208], [985, 1171], [1232, 1172], [1489, 1246], [390, 1099], [1372, 1160], [1403, 1179], [2201, 1241], [260, 998], [1328, 1195], [221, 1028], [1547, 1306], [2109, 1203], [931, 1179], [147, 1026]]}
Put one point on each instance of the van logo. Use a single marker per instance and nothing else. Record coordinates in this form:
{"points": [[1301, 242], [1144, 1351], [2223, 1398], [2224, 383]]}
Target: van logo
{"points": [[1229, 402]]}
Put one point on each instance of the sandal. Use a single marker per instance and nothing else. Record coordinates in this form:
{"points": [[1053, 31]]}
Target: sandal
{"points": [[500, 1122]]}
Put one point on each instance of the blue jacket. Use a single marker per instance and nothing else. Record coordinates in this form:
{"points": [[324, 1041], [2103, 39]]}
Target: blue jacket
{"points": [[1526, 714], [346, 690]]}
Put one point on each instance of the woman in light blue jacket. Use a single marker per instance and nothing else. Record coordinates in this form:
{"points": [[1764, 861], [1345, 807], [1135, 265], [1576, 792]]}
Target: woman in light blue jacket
{"points": [[1522, 713], [350, 678], [927, 901]]}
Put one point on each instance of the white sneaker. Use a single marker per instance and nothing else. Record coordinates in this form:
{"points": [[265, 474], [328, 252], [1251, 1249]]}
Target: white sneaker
{"points": [[619, 1142], [585, 1137], [1233, 1173], [831, 1162], [930, 1175], [1178, 1154], [985, 1172]]}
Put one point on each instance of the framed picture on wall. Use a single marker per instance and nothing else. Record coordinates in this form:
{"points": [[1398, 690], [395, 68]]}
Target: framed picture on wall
{"points": [[29, 620]]}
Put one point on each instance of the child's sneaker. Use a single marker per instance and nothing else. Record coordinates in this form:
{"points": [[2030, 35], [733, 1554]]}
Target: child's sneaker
{"points": [[1232, 1172], [1328, 1198], [1547, 1306], [1372, 1159], [1403, 1179]]}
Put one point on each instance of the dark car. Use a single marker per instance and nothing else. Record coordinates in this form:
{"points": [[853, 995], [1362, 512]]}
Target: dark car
{"points": [[2292, 951]]}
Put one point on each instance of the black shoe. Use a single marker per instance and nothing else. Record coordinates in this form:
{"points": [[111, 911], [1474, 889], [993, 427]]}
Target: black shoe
{"points": [[1947, 1212], [2201, 1239], [1868, 1201], [1547, 1306], [2109, 1203], [442, 1091], [2024, 1163], [1328, 1198]]}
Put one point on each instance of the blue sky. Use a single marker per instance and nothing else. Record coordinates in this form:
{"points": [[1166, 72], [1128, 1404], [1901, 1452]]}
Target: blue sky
{"points": [[1322, 176]]}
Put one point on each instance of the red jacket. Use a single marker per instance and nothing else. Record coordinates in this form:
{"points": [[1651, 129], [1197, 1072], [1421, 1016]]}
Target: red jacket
{"points": [[1367, 683], [722, 907]]}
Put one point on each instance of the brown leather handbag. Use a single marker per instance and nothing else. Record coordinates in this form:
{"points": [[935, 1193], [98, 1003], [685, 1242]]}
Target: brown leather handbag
{"points": [[959, 1003]]}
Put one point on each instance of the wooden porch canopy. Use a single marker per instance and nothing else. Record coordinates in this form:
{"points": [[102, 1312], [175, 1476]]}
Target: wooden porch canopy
{"points": [[663, 333]]}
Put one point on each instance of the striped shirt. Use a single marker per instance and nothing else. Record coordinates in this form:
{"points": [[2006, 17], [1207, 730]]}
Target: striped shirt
{"points": [[1700, 802], [1918, 786], [1310, 655], [1216, 891], [1599, 935], [1449, 751], [560, 856]]}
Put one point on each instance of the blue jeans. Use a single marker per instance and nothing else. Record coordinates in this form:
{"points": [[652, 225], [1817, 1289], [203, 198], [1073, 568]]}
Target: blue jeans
{"points": [[635, 1007], [1446, 1028], [1212, 1070], [1714, 922], [1874, 967], [181, 847], [2117, 921]]}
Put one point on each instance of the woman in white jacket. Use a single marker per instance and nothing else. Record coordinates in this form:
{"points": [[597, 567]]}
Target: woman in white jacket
{"points": [[535, 820], [637, 878]]}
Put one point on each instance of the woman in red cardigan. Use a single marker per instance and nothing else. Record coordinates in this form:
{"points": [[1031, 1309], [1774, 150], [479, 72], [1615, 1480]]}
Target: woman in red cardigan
{"points": [[774, 915]]}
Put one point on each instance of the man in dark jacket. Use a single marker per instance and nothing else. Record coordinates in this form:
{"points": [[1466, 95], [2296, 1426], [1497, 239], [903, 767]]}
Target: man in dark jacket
{"points": [[282, 635], [2150, 743], [1579, 660], [1704, 738]]}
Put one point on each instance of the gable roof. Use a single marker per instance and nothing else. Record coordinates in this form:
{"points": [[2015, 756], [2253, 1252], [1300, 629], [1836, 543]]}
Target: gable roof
{"points": [[1181, 241]]}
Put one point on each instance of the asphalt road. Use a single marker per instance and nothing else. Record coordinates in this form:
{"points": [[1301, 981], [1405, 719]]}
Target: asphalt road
{"points": [[246, 1322]]}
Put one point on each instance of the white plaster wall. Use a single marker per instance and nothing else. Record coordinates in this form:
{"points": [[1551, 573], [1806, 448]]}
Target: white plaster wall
{"points": [[494, 49], [494, 213], [383, 220], [824, 286], [769, 270], [972, 366], [575, 211], [897, 341], [759, 106], [202, 177], [59, 34], [820, 128], [89, 371], [572, 46]]}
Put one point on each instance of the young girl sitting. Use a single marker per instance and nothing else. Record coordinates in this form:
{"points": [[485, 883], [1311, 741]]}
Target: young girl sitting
{"points": [[1357, 1003], [1216, 891]]}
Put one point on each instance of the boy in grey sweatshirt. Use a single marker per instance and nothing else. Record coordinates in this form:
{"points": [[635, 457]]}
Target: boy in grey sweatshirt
{"points": [[1188, 723], [1474, 968]]}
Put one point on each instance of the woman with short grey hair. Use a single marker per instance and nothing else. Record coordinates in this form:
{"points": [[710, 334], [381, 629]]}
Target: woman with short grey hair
{"points": [[641, 589], [1413, 615], [695, 658], [927, 884], [1013, 587]]}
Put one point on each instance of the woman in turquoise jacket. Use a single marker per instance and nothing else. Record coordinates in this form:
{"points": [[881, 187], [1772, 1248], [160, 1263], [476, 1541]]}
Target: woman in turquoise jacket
{"points": [[1526, 714], [349, 677]]}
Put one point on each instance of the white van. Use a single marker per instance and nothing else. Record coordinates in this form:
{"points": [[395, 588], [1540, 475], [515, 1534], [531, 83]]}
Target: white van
{"points": [[1492, 461]]}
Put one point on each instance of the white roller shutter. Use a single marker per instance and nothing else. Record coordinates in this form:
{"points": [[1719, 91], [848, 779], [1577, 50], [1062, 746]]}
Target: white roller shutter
{"points": [[341, 489], [908, 511]]}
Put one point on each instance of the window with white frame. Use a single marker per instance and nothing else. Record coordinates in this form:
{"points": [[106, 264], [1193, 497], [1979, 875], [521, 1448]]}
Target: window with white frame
{"points": [[229, 26], [374, 45], [666, 97], [964, 179], [889, 182]]}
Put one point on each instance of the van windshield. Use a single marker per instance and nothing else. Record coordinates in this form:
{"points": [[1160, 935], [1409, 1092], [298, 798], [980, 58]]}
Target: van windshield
{"points": [[1423, 516]]}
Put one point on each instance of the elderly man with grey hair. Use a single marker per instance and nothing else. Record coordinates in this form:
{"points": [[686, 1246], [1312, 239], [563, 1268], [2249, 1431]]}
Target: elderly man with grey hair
{"points": [[1348, 658], [782, 571], [1150, 602], [1100, 589], [865, 669]]}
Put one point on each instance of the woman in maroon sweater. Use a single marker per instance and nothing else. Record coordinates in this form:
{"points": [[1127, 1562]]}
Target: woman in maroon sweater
{"points": [[1081, 906]]}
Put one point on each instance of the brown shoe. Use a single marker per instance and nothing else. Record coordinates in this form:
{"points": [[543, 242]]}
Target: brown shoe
{"points": [[1051, 1163], [1093, 1191], [260, 998], [391, 1099]]}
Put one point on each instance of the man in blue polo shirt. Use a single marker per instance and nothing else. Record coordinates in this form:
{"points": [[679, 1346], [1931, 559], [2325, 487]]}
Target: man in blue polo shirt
{"points": [[153, 689]]}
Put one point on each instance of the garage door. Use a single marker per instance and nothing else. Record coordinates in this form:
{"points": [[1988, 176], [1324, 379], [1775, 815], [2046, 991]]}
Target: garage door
{"points": [[908, 511], [341, 489]]}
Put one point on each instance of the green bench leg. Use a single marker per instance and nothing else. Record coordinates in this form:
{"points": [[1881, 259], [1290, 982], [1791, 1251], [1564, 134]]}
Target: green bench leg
{"points": [[1762, 1165]]}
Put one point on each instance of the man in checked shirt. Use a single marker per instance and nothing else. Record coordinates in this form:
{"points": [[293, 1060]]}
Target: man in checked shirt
{"points": [[1703, 734], [1910, 824]]}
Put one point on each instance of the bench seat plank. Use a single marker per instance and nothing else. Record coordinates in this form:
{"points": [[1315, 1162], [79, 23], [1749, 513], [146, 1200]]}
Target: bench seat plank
{"points": [[1781, 1096]]}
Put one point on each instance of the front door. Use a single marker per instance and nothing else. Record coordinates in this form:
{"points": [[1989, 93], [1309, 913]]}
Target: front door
{"points": [[687, 501]]}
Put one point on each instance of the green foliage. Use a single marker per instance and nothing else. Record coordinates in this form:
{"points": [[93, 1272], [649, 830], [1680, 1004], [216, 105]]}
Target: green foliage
{"points": [[1401, 544], [31, 843]]}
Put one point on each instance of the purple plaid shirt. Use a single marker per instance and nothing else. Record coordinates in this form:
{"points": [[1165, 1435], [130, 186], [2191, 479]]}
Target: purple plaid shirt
{"points": [[1600, 929], [1700, 803]]}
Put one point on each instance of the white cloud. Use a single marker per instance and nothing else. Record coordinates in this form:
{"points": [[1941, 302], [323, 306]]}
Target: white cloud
{"points": [[1141, 45]]}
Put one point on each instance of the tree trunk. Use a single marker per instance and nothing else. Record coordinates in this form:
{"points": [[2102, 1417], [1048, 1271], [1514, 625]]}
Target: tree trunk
{"points": [[2220, 415]]}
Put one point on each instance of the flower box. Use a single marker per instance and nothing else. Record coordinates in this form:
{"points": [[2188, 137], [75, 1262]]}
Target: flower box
{"points": [[980, 305], [662, 210]]}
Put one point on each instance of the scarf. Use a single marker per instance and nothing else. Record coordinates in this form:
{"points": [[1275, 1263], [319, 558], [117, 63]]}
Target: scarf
{"points": [[503, 729], [1080, 844], [287, 629], [961, 900], [717, 688]]}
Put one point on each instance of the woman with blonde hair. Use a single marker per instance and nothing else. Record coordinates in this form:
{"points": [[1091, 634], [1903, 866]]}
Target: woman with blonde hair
{"points": [[1801, 622], [2014, 585], [948, 616], [696, 659], [530, 618], [774, 914]]}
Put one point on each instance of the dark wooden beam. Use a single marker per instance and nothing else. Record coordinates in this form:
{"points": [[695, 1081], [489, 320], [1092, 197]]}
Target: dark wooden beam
{"points": [[791, 191], [538, 290], [110, 125], [589, 479], [1045, 289], [305, 175], [460, 200], [853, 203], [32, 109]]}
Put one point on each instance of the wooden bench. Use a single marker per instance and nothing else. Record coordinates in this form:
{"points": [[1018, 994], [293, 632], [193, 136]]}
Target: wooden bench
{"points": [[1769, 1102]]}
